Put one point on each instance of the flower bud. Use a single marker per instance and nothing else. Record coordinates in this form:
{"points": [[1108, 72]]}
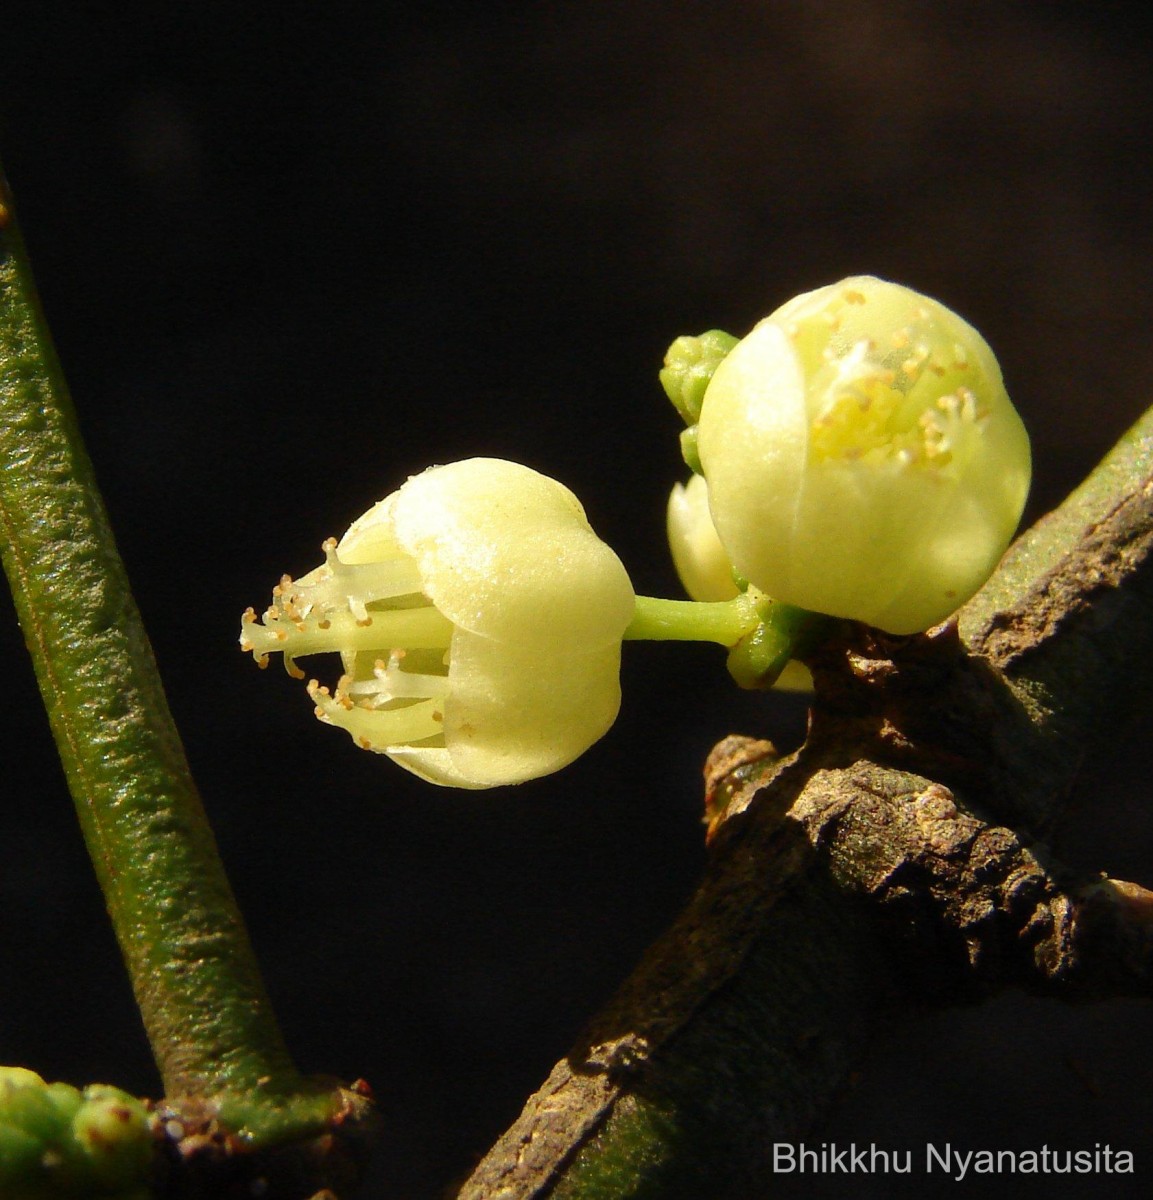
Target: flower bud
{"points": [[702, 565], [704, 568], [111, 1128], [689, 365], [863, 459], [56, 1141], [479, 620]]}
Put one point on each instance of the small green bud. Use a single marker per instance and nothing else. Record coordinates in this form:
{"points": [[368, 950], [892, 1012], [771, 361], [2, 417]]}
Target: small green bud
{"points": [[863, 459], [33, 1126], [689, 453], [689, 365], [57, 1143], [111, 1129], [12, 1078]]}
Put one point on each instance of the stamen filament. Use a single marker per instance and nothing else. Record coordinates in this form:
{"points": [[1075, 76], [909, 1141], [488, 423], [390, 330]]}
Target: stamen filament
{"points": [[418, 628], [336, 583], [376, 729], [391, 683]]}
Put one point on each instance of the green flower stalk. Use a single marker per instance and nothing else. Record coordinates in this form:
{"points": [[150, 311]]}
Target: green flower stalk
{"points": [[862, 456], [479, 620]]}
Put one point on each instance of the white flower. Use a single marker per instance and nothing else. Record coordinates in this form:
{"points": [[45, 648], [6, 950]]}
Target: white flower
{"points": [[479, 620], [862, 457]]}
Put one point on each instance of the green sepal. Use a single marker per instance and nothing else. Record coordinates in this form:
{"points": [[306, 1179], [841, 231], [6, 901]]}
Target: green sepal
{"points": [[784, 633]]}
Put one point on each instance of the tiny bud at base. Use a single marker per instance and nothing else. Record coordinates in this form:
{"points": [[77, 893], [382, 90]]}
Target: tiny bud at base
{"points": [[689, 365]]}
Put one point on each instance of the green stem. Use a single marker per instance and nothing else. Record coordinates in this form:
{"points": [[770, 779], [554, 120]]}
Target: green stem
{"points": [[199, 990], [761, 635], [724, 622]]}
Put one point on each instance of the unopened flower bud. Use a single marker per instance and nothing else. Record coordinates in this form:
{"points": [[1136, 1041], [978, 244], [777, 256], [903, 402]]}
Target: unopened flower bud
{"points": [[689, 365], [111, 1129], [863, 458], [702, 565]]}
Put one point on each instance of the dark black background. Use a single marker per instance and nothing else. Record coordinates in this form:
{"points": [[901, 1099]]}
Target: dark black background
{"points": [[293, 253]]}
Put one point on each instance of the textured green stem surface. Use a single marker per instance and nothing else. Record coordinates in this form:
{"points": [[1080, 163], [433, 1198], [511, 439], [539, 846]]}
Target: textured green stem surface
{"points": [[196, 980]]}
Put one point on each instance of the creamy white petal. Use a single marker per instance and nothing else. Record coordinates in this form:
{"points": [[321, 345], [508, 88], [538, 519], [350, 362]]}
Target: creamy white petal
{"points": [[507, 553], [510, 717]]}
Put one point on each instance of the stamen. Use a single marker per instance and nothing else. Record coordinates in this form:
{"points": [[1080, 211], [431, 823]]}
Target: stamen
{"points": [[339, 585], [389, 682], [420, 628], [381, 728]]}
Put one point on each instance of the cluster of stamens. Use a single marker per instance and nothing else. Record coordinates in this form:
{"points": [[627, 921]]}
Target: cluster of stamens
{"points": [[375, 616], [879, 407]]}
